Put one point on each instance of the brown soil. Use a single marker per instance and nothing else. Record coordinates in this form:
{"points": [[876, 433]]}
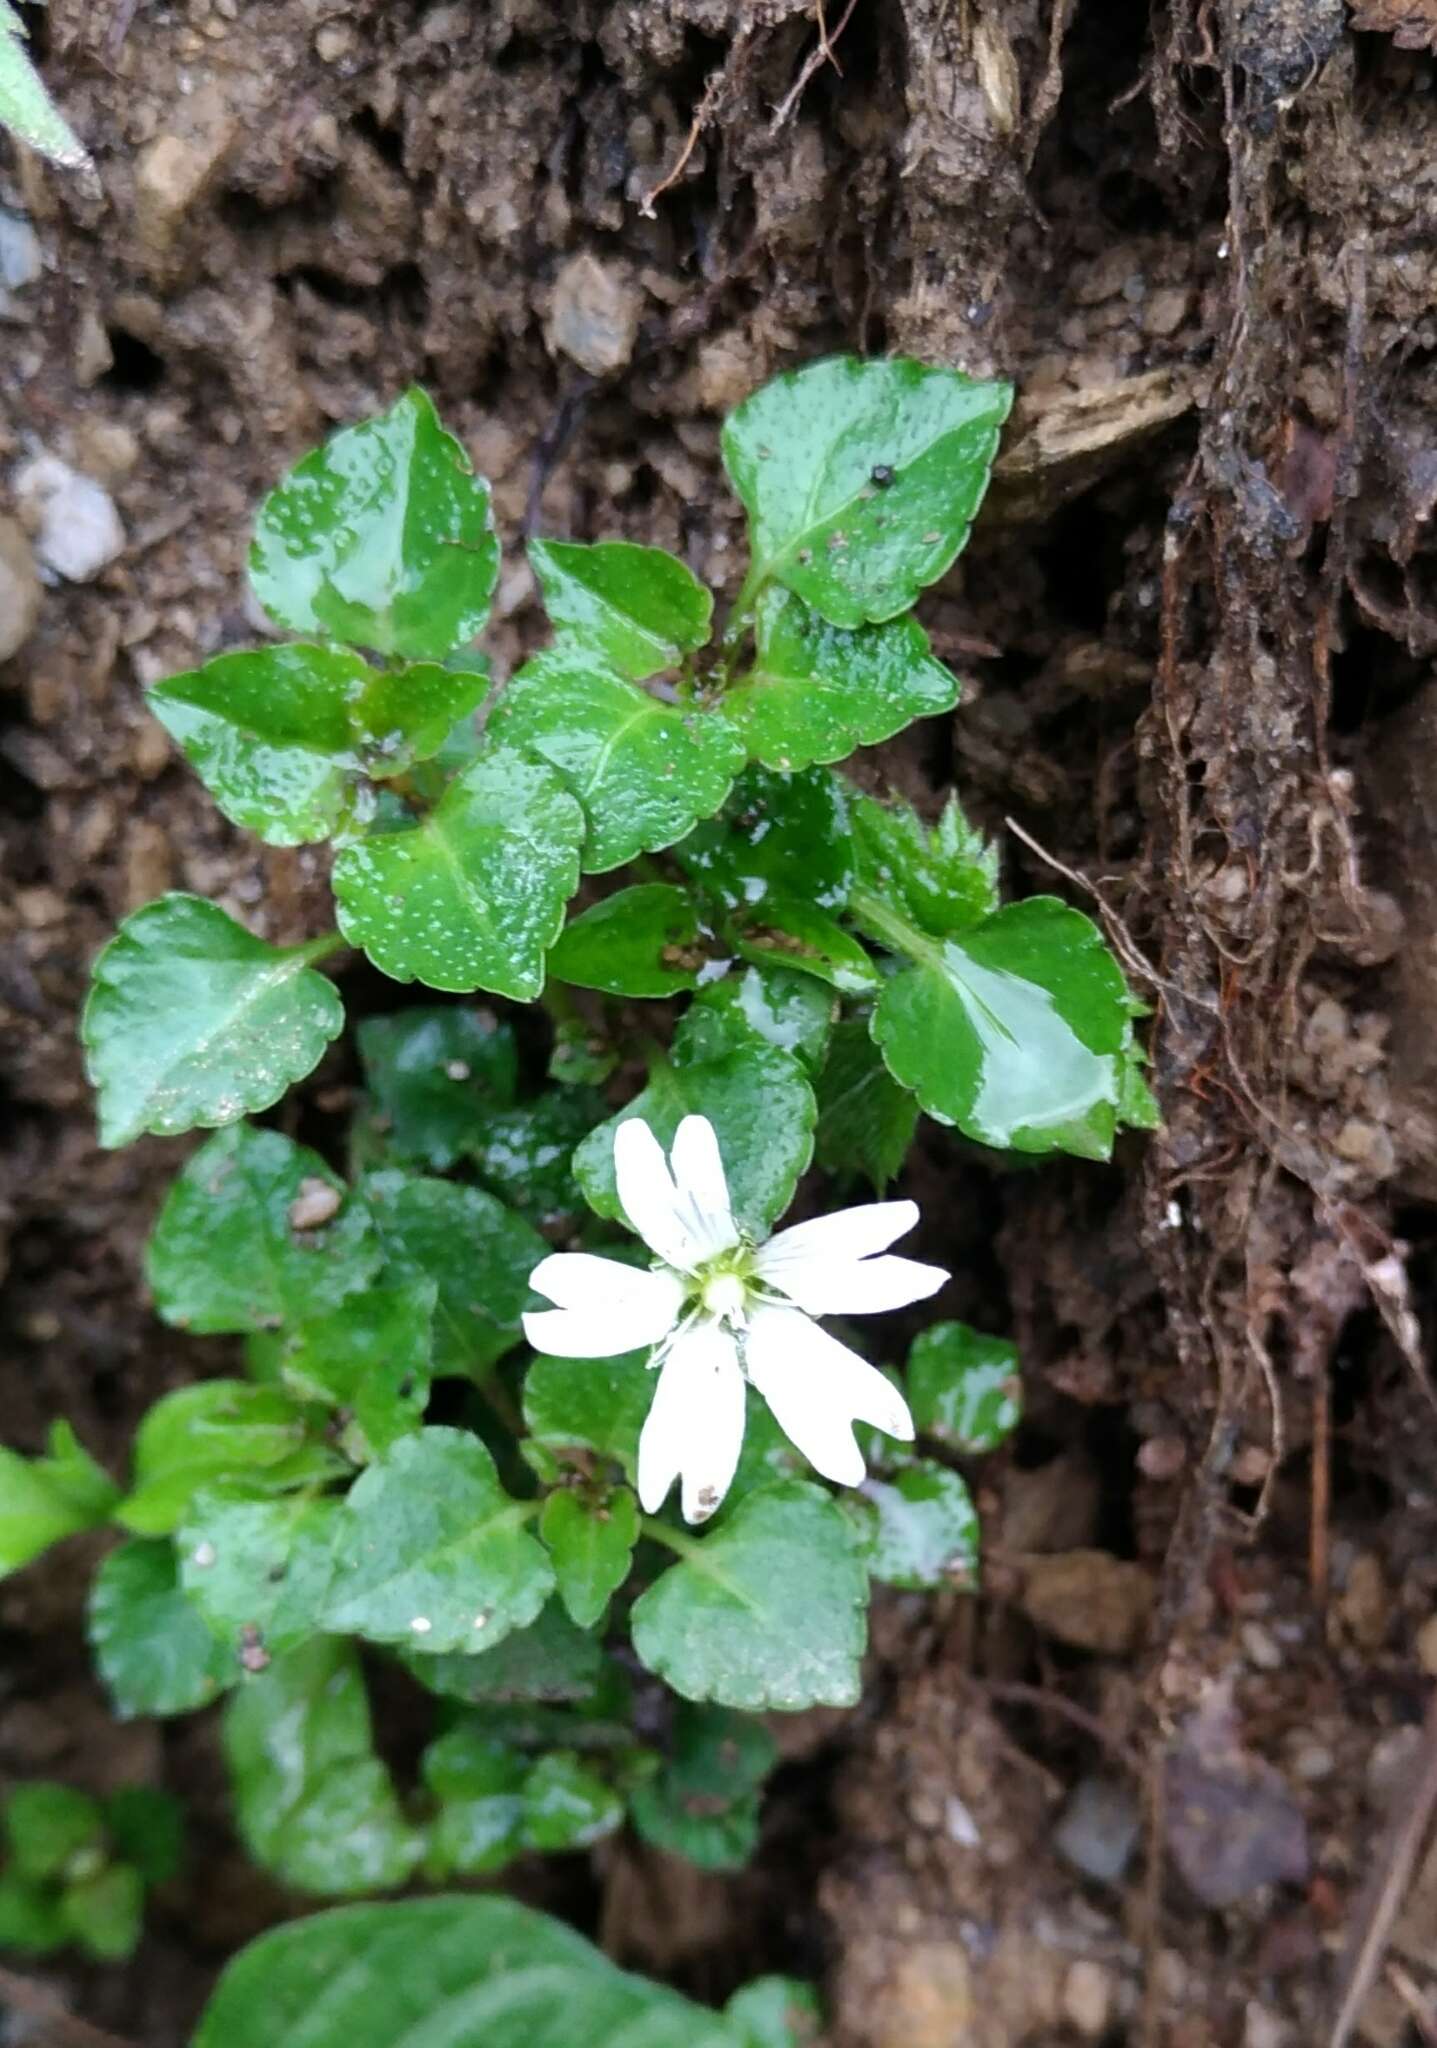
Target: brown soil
{"points": [[1198, 621]]}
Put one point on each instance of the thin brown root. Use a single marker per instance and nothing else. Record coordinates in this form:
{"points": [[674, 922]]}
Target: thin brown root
{"points": [[821, 54]]}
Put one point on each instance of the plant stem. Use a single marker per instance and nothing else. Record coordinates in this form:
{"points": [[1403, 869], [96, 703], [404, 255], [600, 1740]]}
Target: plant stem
{"points": [[896, 931], [322, 948], [741, 617], [672, 1539]]}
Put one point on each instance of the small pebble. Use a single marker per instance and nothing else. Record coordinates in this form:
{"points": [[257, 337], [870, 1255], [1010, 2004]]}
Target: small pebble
{"points": [[77, 531], [1259, 1647], [20, 259], [1099, 1829], [1088, 1998], [315, 1203]]}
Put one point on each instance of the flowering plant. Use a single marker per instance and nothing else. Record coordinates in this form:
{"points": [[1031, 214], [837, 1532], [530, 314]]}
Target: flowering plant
{"points": [[460, 1395]]}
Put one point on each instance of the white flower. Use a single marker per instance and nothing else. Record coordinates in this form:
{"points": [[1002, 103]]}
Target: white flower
{"points": [[718, 1310]]}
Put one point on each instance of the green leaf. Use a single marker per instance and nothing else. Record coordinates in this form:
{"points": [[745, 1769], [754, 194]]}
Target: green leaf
{"points": [[1017, 1031], [153, 1649], [147, 1828], [26, 109], [919, 1529], [815, 692], [591, 1541], [258, 1570], [278, 735], [369, 1358], [589, 1404], [435, 1074], [762, 1107], [963, 1387], [776, 2012], [105, 1913], [865, 1120], [639, 610], [219, 1429], [478, 1253], [643, 941], [785, 931], [765, 1457], [479, 1784], [43, 1499], [551, 1661], [381, 538], [767, 1611], [236, 1246], [759, 1005], [525, 1153], [432, 1552], [1138, 1107], [567, 1805], [582, 1057], [474, 895], [314, 1803], [780, 835], [643, 770], [703, 1804], [191, 1020], [492, 1971], [30, 1917], [52, 1831], [944, 878], [861, 479]]}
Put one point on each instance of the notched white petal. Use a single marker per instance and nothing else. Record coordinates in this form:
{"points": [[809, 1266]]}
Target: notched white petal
{"points": [[584, 1280], [593, 1332], [703, 1186], [847, 1234], [855, 1287], [817, 1388], [694, 1427], [649, 1198]]}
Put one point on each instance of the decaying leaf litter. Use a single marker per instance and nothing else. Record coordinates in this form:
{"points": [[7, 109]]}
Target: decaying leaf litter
{"points": [[1196, 618]]}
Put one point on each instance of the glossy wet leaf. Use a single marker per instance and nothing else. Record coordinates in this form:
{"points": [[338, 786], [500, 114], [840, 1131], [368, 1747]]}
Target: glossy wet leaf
{"points": [[865, 1119], [643, 769], [766, 1458], [191, 1020], [474, 895], [313, 1803], [589, 1404], [862, 479], [256, 1569], [590, 1538], [479, 1784], [153, 1649], [51, 1830], [642, 941], [638, 609], [381, 538], [551, 1661], [434, 1074], [525, 1153], [494, 1972], [235, 1247], [778, 836], [768, 1005], [776, 2012], [278, 735], [368, 1358], [220, 1429], [26, 109], [759, 1102], [432, 1552], [478, 1253], [943, 877], [703, 1803], [784, 930], [46, 1498], [963, 1387], [919, 1528], [567, 1805], [1016, 1030], [767, 1611], [816, 692], [104, 1913]]}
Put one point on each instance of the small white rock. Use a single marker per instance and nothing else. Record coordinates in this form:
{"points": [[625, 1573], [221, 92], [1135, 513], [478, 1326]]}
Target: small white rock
{"points": [[75, 526], [20, 259]]}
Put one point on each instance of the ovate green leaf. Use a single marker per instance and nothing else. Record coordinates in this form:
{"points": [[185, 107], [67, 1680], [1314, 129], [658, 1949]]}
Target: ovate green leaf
{"points": [[779, 835], [767, 1611], [45, 1498], [944, 878], [589, 1404], [493, 1973], [478, 1254], [552, 1662], [590, 1538], [815, 692], [220, 1429], [703, 1803], [865, 1119], [369, 1358], [51, 1830], [764, 1005], [250, 1236], [963, 1387], [432, 1552], [472, 897], [435, 1073], [191, 1020], [643, 769], [26, 109], [861, 479], [638, 609], [381, 538], [104, 1912], [258, 1570], [153, 1649], [567, 1805], [642, 941], [919, 1528]]}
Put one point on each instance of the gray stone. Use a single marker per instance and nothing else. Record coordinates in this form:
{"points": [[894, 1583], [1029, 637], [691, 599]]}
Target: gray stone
{"points": [[76, 528]]}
